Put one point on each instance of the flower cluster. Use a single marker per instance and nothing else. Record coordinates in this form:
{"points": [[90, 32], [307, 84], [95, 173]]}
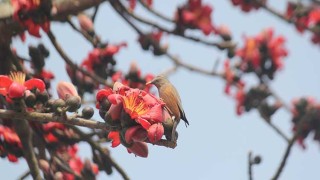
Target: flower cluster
{"points": [[306, 118], [194, 14], [68, 154], [10, 144], [248, 5], [33, 15], [305, 17], [133, 78], [245, 101], [262, 54], [99, 61], [138, 116]]}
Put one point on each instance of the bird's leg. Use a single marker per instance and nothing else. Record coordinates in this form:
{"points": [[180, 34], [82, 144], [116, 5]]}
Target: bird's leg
{"points": [[174, 134]]}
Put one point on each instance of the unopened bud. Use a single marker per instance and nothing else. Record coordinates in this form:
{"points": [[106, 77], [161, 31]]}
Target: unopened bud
{"points": [[73, 103], [257, 159], [66, 89], [44, 165], [87, 112]]}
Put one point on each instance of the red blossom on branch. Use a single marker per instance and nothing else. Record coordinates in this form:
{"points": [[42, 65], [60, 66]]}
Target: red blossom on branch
{"points": [[14, 86], [195, 15], [33, 15], [248, 5], [139, 114], [263, 54]]}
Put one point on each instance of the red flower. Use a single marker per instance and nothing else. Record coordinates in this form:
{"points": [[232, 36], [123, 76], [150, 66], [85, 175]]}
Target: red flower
{"points": [[14, 86], [146, 114], [22, 8], [247, 5], [196, 15], [263, 54], [115, 137]]}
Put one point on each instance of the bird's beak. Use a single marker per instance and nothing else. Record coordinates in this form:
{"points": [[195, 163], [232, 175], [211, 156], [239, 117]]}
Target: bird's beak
{"points": [[150, 82]]}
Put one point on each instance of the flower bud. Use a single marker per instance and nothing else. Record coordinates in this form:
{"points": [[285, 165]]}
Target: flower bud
{"points": [[30, 99], [87, 112], [66, 89], [44, 165], [58, 176], [155, 132], [139, 149], [85, 22], [73, 103]]}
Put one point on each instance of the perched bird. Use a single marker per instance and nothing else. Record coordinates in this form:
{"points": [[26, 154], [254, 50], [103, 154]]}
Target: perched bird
{"points": [[170, 96]]}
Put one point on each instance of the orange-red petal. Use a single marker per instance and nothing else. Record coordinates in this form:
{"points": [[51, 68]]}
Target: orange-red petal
{"points": [[35, 83]]}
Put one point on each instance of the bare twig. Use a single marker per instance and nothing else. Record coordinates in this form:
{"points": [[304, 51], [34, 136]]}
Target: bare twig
{"points": [[285, 157], [83, 33], [94, 15], [219, 45], [97, 147], [65, 168], [73, 65], [250, 165], [24, 175], [282, 17], [156, 13]]}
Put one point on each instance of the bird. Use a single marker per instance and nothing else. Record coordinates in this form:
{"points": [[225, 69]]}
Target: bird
{"points": [[170, 96]]}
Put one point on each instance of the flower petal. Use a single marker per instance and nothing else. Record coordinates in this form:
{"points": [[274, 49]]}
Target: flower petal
{"points": [[35, 83], [155, 132], [103, 93], [115, 137], [154, 114], [139, 149], [5, 82]]}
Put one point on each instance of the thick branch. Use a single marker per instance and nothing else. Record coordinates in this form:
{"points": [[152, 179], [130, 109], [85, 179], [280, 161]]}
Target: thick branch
{"points": [[50, 117], [64, 8]]}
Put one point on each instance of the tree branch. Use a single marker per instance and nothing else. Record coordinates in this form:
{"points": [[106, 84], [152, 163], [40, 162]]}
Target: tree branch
{"points": [[97, 147], [73, 65], [156, 13], [285, 157]]}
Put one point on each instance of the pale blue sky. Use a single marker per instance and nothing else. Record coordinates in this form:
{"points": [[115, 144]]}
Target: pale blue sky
{"points": [[216, 143]]}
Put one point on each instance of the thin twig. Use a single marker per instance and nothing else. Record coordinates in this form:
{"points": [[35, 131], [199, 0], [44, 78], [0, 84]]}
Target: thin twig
{"points": [[73, 65], [219, 45], [282, 17], [98, 148], [83, 33], [285, 157], [250, 165], [94, 15], [153, 11], [24, 175], [275, 128]]}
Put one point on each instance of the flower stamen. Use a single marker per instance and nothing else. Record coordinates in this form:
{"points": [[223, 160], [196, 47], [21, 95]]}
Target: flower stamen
{"points": [[18, 77]]}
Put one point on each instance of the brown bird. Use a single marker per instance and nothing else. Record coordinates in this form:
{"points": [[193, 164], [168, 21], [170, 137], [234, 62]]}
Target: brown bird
{"points": [[170, 96]]}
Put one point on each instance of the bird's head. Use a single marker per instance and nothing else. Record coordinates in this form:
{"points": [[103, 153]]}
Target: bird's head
{"points": [[158, 81]]}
